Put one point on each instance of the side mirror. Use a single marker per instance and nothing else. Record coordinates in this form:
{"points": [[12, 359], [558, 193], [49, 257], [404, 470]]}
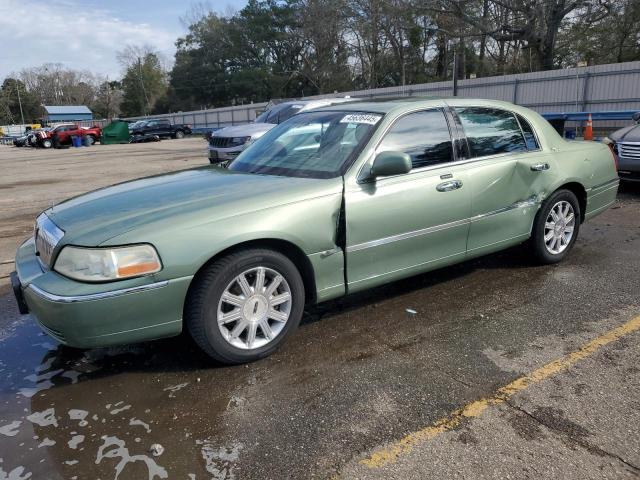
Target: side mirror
{"points": [[636, 117], [391, 163]]}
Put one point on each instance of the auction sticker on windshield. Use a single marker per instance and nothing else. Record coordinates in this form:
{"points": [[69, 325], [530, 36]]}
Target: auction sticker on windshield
{"points": [[365, 118]]}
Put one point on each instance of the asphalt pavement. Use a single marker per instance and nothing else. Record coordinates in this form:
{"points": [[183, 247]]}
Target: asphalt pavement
{"points": [[364, 389]]}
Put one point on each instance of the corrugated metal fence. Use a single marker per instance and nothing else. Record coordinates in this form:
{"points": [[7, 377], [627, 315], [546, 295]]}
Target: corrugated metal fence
{"points": [[595, 88]]}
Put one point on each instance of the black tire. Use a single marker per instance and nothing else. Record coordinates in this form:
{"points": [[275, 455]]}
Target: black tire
{"points": [[178, 135], [47, 143], [201, 305], [538, 244], [91, 139]]}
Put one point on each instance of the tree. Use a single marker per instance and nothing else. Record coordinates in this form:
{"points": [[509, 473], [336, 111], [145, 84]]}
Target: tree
{"points": [[144, 81], [108, 100], [17, 103]]}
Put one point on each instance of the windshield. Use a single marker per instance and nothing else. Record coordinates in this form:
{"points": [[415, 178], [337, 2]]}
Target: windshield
{"points": [[313, 145]]}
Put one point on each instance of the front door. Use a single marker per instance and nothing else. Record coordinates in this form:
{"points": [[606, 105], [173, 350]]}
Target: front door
{"points": [[405, 224]]}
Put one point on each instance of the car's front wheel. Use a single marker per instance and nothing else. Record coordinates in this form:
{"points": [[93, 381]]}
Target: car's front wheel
{"points": [[179, 134], [556, 227], [47, 143], [243, 306]]}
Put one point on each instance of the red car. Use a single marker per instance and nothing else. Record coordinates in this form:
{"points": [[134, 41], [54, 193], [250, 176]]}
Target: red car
{"points": [[61, 135]]}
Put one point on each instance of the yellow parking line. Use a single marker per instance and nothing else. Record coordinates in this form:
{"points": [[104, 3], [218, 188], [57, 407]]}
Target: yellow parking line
{"points": [[390, 453]]}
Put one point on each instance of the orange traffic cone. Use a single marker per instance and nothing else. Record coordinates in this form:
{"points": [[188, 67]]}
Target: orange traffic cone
{"points": [[588, 130]]}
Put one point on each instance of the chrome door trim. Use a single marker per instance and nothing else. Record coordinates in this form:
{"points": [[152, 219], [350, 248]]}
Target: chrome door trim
{"points": [[530, 202], [52, 297], [608, 183], [406, 235], [602, 191]]}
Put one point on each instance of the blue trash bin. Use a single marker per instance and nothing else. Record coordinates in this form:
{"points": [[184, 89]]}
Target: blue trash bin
{"points": [[76, 141], [570, 134]]}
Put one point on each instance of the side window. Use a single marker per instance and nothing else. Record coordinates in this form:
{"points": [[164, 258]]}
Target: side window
{"points": [[529, 136], [424, 136], [164, 123], [491, 131]]}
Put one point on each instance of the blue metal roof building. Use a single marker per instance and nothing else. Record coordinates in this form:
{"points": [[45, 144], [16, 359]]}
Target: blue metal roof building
{"points": [[67, 113]]}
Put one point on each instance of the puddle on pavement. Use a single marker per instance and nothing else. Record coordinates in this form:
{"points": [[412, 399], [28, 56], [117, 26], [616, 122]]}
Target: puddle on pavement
{"points": [[69, 413]]}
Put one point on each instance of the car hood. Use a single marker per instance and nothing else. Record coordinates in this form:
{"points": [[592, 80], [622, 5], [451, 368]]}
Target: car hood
{"points": [[196, 196], [248, 130], [627, 134]]}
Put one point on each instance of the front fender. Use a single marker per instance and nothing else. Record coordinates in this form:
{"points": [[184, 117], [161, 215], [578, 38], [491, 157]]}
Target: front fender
{"points": [[309, 224]]}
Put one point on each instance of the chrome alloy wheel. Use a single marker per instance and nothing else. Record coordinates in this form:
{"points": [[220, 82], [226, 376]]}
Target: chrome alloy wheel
{"points": [[559, 226], [254, 308]]}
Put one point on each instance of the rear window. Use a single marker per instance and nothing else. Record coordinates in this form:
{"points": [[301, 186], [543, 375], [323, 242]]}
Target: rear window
{"points": [[491, 131]]}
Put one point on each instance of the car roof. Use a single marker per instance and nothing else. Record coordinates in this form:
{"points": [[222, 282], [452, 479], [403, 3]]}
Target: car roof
{"points": [[387, 104]]}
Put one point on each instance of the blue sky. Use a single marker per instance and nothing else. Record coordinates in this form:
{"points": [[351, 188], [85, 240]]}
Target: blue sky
{"points": [[86, 34]]}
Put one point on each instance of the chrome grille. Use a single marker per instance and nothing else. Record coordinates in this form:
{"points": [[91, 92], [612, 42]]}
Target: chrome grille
{"points": [[47, 236], [629, 150], [220, 142], [227, 142]]}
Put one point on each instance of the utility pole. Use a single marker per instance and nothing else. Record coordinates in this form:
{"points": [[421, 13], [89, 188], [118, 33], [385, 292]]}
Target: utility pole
{"points": [[19, 102], [455, 71]]}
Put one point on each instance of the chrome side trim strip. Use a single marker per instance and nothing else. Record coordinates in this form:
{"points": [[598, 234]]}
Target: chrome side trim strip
{"points": [[612, 182], [613, 187], [406, 235], [531, 202], [95, 296]]}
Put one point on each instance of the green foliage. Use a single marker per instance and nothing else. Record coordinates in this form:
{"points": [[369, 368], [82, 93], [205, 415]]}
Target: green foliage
{"points": [[294, 48], [10, 104], [144, 82]]}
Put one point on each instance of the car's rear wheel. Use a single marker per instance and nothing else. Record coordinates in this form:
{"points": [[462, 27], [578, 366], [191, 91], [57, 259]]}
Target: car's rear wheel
{"points": [[179, 134], [91, 139], [243, 306], [556, 227]]}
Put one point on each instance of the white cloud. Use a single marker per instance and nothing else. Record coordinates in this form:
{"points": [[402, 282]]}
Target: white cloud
{"points": [[64, 31]]}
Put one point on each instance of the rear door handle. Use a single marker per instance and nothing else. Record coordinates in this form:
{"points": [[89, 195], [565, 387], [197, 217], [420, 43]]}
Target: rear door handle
{"points": [[448, 186], [539, 167]]}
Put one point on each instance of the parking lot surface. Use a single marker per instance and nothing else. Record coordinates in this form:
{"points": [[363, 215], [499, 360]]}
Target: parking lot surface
{"points": [[505, 370]]}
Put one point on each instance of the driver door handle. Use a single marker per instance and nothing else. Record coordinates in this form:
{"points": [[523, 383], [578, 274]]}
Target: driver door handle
{"points": [[448, 186], [539, 167]]}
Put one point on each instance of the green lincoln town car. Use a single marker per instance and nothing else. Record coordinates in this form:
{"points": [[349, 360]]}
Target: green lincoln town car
{"points": [[330, 202]]}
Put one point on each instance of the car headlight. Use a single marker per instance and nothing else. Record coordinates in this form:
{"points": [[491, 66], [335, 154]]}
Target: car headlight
{"points": [[105, 264]]}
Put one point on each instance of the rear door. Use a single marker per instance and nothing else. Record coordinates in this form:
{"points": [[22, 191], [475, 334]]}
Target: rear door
{"points": [[405, 224], [505, 179]]}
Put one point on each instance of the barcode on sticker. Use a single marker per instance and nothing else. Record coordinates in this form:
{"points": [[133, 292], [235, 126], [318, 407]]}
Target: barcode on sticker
{"points": [[361, 118]]}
